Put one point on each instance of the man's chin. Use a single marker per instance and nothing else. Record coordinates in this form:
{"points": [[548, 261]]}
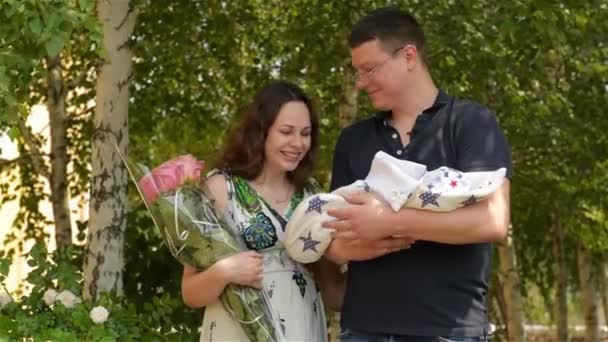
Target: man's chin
{"points": [[378, 101], [380, 105]]}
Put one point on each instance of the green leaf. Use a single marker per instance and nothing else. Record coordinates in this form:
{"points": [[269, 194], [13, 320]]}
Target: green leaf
{"points": [[10, 100], [85, 5], [36, 26], [6, 324], [5, 265], [13, 133], [54, 45], [5, 81], [8, 116], [52, 20]]}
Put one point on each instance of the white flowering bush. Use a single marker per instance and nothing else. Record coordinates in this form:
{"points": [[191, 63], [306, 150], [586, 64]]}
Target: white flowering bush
{"points": [[49, 297], [99, 314], [55, 311], [5, 298]]}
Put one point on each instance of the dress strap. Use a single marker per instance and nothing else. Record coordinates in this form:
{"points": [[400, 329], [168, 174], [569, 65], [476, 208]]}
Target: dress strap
{"points": [[229, 180]]}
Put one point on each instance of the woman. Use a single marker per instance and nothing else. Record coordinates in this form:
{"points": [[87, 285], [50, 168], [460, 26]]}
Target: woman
{"points": [[264, 174]]}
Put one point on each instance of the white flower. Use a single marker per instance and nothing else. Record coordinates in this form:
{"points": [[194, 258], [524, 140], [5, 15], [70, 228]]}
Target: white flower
{"points": [[4, 299], [68, 299], [99, 314], [49, 297]]}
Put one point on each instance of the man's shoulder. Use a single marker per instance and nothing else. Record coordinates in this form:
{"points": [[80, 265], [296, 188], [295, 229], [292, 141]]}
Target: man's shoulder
{"points": [[470, 107], [469, 112]]}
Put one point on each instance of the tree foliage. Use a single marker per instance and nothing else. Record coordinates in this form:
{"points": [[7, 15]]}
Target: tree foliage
{"points": [[541, 65]]}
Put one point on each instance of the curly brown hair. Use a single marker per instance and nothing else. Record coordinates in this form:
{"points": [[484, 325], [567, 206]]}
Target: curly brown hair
{"points": [[244, 153]]}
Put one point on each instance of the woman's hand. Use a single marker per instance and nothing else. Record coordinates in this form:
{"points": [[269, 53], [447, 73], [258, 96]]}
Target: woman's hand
{"points": [[199, 289], [243, 268]]}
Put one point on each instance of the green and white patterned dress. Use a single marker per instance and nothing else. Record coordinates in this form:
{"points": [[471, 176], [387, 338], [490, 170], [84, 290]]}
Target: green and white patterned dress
{"points": [[291, 287]]}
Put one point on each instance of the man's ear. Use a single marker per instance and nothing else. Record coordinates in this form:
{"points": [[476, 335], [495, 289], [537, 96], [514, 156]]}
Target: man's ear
{"points": [[411, 55]]}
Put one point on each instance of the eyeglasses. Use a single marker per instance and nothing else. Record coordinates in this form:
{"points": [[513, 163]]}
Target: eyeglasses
{"points": [[363, 76]]}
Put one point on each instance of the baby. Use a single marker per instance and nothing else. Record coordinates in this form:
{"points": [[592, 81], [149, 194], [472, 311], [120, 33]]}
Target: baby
{"points": [[399, 183]]}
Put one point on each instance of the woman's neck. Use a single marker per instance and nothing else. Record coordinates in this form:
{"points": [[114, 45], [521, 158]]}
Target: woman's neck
{"points": [[269, 179], [275, 188]]}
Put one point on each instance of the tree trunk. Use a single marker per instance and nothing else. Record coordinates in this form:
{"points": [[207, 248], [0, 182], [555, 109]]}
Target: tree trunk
{"points": [[561, 274], [348, 105], [104, 260], [58, 180], [497, 311], [589, 294], [604, 291], [511, 289]]}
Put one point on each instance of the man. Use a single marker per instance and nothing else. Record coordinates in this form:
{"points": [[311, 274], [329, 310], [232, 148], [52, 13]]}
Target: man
{"points": [[436, 289]]}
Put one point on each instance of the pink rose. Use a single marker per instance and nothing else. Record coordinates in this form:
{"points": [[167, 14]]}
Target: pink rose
{"points": [[170, 175]]}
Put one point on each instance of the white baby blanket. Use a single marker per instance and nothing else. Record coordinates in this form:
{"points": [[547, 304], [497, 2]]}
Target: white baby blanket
{"points": [[400, 183]]}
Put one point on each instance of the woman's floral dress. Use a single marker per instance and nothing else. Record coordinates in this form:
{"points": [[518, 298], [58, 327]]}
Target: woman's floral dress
{"points": [[291, 287]]}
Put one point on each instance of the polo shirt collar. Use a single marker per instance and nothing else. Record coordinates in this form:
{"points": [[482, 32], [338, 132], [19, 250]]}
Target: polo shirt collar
{"points": [[441, 100]]}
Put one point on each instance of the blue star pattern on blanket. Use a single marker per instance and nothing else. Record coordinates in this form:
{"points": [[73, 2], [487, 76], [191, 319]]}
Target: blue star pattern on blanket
{"points": [[309, 243], [469, 201], [429, 198], [315, 204]]}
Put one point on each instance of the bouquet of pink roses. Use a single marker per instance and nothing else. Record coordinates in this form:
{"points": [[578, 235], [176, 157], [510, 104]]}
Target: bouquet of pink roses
{"points": [[185, 216]]}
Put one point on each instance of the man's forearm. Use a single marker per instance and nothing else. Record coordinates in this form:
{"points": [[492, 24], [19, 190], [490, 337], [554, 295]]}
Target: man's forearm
{"points": [[332, 283], [485, 221]]}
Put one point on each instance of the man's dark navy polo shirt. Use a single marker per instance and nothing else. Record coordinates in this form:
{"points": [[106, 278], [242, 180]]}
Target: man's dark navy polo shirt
{"points": [[431, 289]]}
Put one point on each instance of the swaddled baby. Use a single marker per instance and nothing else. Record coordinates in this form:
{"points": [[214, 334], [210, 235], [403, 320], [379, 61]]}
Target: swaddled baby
{"points": [[399, 183]]}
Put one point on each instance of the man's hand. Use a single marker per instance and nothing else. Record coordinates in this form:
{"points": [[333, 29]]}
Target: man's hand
{"points": [[366, 218], [341, 251]]}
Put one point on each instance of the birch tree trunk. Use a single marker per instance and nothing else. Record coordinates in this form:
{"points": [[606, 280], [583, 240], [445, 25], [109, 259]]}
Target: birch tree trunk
{"points": [[511, 289], [58, 180], [561, 274], [589, 294], [104, 260], [57, 174]]}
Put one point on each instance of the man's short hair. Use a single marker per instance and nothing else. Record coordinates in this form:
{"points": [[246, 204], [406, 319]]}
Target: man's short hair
{"points": [[393, 28]]}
